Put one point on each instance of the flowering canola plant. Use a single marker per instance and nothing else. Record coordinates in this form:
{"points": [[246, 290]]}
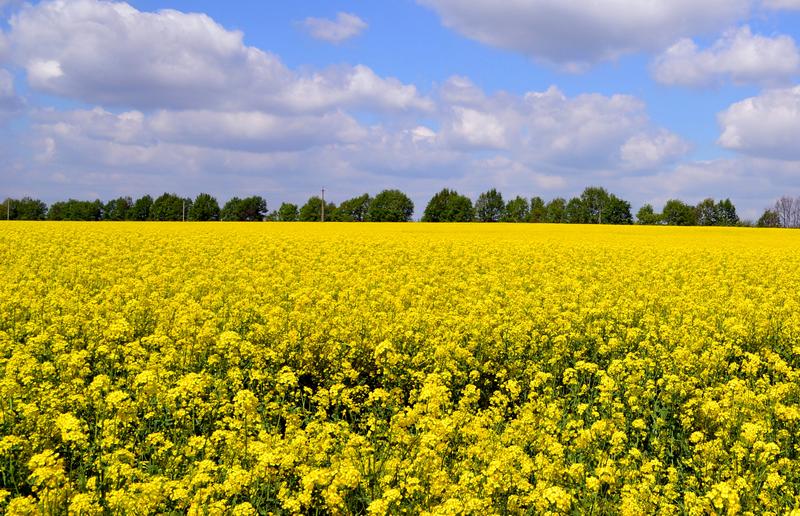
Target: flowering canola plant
{"points": [[437, 369]]}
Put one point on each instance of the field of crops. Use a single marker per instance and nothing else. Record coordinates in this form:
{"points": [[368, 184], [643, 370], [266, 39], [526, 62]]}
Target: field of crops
{"points": [[357, 368]]}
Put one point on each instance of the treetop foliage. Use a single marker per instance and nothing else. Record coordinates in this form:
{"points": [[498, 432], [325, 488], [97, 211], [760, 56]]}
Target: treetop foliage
{"points": [[595, 205]]}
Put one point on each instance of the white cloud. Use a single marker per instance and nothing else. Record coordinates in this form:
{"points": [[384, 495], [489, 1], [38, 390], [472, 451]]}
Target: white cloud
{"points": [[210, 90], [239, 131], [132, 153], [460, 90], [183, 103], [548, 128], [765, 126], [540, 142], [574, 33], [344, 27], [110, 53], [644, 151], [739, 55], [255, 131], [349, 86], [477, 129]]}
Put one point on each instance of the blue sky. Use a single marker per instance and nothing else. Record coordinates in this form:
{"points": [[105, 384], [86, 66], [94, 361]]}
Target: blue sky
{"points": [[653, 100]]}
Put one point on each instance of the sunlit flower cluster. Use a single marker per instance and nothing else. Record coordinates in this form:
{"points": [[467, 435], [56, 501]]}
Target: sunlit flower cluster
{"points": [[435, 369]]}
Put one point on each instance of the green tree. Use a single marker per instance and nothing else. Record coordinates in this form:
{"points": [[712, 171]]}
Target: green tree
{"points": [[57, 211], [312, 210], [617, 211], [517, 210], [575, 212], [556, 211], [647, 216], [117, 209], [27, 209], [706, 213], [73, 209], [287, 212], [449, 206], [249, 209], [353, 210], [169, 206], [490, 206], [538, 211], [595, 201], [204, 208], [678, 213], [390, 206], [726, 213], [141, 208], [769, 219]]}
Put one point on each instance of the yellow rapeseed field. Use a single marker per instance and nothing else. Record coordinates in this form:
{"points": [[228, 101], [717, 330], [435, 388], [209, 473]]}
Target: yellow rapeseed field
{"points": [[360, 368]]}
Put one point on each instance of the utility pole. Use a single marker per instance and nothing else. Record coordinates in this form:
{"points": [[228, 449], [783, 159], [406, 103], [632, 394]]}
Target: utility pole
{"points": [[183, 211], [8, 209], [323, 205]]}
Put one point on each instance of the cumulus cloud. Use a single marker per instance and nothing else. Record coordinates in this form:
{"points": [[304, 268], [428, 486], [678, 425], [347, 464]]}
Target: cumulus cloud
{"points": [[575, 33], [739, 55], [112, 54], [647, 150], [477, 129], [241, 131], [765, 126], [344, 27], [182, 101], [255, 131], [545, 140], [588, 131]]}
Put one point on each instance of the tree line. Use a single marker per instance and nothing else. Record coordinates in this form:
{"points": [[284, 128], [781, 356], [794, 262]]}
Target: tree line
{"points": [[595, 205], [387, 206]]}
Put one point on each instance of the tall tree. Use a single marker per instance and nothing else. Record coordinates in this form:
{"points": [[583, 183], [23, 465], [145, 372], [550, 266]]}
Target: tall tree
{"points": [[311, 211], [517, 210], [249, 209], [141, 208], [556, 211], [726, 213], [490, 206], [28, 209], [575, 212], [170, 206], [204, 208], [647, 216], [706, 213], [73, 209], [117, 209], [287, 212], [769, 219], [390, 206], [617, 211], [678, 213], [449, 206], [785, 207], [352, 210], [538, 211], [595, 202]]}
